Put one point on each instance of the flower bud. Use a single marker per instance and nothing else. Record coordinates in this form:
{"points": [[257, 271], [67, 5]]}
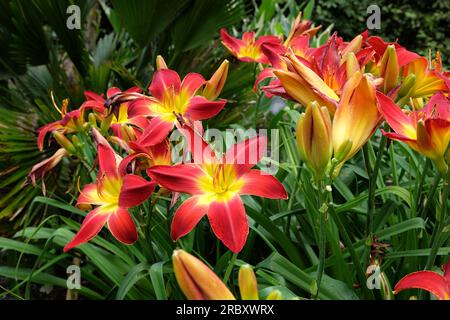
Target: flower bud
{"points": [[351, 64], [407, 84], [352, 47], [314, 138], [386, 288], [247, 283], [196, 280], [215, 85], [389, 69], [64, 142], [275, 295], [160, 63], [92, 120]]}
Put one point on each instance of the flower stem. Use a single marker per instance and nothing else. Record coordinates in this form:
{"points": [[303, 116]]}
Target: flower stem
{"points": [[229, 268], [323, 213], [439, 225], [373, 185], [436, 237]]}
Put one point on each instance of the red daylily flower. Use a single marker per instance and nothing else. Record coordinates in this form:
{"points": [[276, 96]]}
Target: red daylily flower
{"points": [[114, 192], [433, 282], [300, 28], [173, 102], [216, 184], [427, 131], [249, 49], [71, 122], [314, 74], [427, 81], [113, 96]]}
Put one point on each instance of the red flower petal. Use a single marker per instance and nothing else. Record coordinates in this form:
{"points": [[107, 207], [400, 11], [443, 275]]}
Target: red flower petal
{"points": [[230, 42], [426, 280], [200, 108], [263, 75], [258, 183], [140, 153], [106, 160], [135, 190], [89, 195], [43, 132], [447, 272], [179, 178], [187, 216], [94, 96], [163, 80], [155, 132], [248, 36], [112, 91], [192, 82], [200, 150], [90, 227], [142, 107], [122, 226], [397, 136], [394, 116], [93, 104], [229, 223], [134, 89], [247, 152]]}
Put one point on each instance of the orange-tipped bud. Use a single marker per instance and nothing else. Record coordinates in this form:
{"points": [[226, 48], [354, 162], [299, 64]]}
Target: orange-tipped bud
{"points": [[389, 69], [356, 117], [304, 85], [196, 280], [351, 64], [352, 47], [160, 63], [247, 283], [314, 138], [215, 85]]}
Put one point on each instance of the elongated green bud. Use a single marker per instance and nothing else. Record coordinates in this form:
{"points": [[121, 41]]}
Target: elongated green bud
{"points": [[64, 142]]}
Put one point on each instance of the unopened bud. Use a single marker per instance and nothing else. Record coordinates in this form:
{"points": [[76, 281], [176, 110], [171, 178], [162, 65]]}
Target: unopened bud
{"points": [[64, 142], [215, 85]]}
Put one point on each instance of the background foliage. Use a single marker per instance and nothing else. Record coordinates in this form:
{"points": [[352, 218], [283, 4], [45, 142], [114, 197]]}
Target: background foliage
{"points": [[418, 25]]}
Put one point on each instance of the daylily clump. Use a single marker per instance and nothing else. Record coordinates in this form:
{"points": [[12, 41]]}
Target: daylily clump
{"points": [[339, 92]]}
